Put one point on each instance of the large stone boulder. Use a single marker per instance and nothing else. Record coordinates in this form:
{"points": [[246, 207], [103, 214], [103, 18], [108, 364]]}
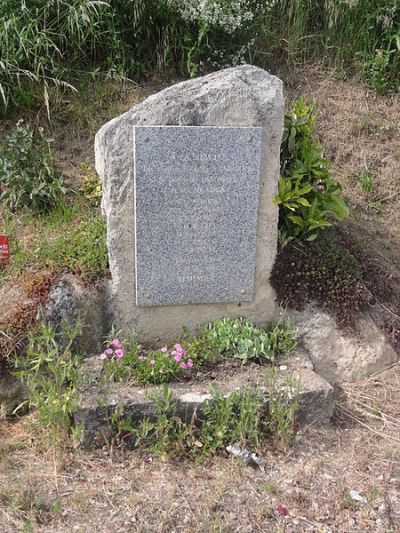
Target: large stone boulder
{"points": [[70, 301], [342, 356], [243, 96]]}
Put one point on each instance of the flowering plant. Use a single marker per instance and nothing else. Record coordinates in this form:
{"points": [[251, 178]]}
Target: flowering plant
{"points": [[114, 350], [162, 365], [125, 360]]}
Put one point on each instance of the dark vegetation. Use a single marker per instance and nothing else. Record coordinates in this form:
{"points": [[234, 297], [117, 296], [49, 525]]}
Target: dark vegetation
{"points": [[46, 44]]}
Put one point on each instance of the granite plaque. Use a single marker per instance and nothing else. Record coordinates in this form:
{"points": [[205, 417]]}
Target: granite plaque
{"points": [[196, 203]]}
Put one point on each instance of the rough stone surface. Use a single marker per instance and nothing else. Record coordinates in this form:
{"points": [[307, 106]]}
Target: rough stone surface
{"points": [[196, 203], [70, 299], [12, 392], [339, 356], [99, 401], [238, 97]]}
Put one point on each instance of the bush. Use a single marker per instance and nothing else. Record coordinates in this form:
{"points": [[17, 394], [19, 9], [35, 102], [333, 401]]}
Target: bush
{"points": [[28, 176], [308, 195], [322, 271]]}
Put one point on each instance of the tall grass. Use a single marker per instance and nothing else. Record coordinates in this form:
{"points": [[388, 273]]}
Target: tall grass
{"points": [[44, 42]]}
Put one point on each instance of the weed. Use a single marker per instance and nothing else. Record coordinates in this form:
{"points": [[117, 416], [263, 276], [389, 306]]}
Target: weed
{"points": [[233, 418], [91, 189], [168, 434], [28, 177], [75, 240], [51, 374], [282, 407], [270, 487], [242, 417], [280, 337], [366, 181]]}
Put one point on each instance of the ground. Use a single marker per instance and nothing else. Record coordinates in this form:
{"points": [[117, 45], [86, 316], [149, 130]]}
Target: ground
{"points": [[51, 490], [46, 489]]}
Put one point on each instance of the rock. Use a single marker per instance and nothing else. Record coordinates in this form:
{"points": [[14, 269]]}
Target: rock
{"points": [[12, 392], [70, 299], [339, 356], [241, 96]]}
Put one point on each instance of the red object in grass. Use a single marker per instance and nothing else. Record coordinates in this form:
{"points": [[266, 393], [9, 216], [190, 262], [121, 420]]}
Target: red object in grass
{"points": [[282, 510], [4, 248]]}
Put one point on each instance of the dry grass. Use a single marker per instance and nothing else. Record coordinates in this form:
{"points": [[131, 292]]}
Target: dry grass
{"points": [[361, 132], [47, 490]]}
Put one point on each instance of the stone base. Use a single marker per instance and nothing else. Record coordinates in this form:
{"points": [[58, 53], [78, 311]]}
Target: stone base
{"points": [[99, 402]]}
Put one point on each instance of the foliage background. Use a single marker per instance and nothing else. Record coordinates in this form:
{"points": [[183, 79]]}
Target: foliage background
{"points": [[56, 42]]}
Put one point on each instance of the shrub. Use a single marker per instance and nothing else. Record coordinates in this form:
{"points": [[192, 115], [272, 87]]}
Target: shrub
{"points": [[28, 176], [322, 271], [308, 195]]}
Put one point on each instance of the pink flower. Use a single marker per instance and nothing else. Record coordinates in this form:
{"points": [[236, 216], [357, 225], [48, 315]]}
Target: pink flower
{"points": [[103, 356], [119, 353], [190, 363], [141, 358], [178, 347], [152, 362], [184, 352], [164, 349], [177, 357], [116, 343], [282, 510], [108, 351], [182, 365]]}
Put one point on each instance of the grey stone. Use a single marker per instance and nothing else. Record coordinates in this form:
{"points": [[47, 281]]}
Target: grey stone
{"points": [[12, 392], [99, 401], [245, 96], [196, 203], [339, 356], [69, 301]]}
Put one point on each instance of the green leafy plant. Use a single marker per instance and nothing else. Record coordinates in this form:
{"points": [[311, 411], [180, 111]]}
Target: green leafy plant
{"points": [[308, 195], [239, 338], [28, 176], [244, 417], [51, 375]]}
